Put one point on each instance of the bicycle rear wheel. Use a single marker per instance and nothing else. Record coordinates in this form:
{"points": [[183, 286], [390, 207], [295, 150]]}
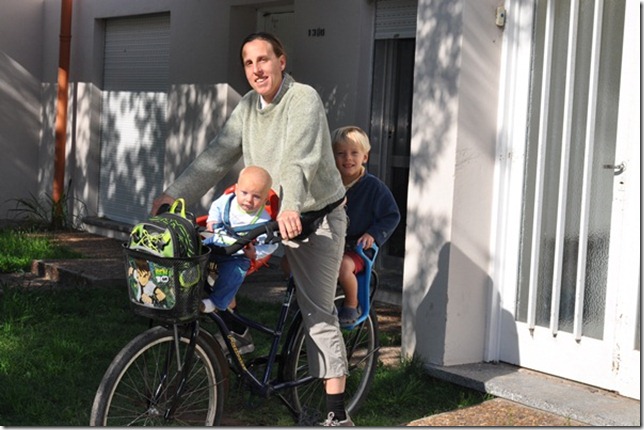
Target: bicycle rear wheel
{"points": [[140, 384], [362, 345]]}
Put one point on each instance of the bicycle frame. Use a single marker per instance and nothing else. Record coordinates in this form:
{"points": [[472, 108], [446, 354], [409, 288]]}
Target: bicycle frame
{"points": [[184, 358], [366, 296], [263, 385]]}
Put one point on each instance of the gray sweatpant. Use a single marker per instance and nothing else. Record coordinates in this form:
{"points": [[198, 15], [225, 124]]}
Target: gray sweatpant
{"points": [[315, 263]]}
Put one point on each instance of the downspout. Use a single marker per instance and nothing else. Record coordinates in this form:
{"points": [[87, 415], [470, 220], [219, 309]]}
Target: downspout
{"points": [[61, 112]]}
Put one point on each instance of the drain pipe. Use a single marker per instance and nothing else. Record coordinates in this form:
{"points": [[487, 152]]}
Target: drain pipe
{"points": [[61, 111]]}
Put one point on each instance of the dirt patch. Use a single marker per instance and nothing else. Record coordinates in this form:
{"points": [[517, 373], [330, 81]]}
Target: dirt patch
{"points": [[496, 412], [389, 325]]}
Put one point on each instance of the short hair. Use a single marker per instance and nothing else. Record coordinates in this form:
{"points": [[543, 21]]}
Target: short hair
{"points": [[259, 173], [351, 132], [142, 265], [276, 44]]}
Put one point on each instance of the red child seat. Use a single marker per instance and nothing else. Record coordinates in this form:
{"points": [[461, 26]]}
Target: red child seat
{"points": [[272, 207]]}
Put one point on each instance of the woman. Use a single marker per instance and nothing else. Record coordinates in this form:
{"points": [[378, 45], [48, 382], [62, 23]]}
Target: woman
{"points": [[281, 125]]}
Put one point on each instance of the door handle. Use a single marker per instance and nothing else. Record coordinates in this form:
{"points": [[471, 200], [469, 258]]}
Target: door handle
{"points": [[617, 169]]}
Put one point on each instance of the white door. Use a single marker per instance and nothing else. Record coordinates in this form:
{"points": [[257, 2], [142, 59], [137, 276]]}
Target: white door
{"points": [[280, 21], [569, 186]]}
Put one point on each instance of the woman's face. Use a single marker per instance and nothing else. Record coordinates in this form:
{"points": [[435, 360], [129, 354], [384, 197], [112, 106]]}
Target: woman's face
{"points": [[263, 68]]}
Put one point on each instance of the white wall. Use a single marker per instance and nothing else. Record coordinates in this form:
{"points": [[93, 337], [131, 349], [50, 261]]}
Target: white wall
{"points": [[20, 103], [338, 64], [446, 283]]}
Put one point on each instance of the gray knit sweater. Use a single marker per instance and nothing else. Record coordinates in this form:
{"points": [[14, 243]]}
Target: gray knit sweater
{"points": [[289, 137]]}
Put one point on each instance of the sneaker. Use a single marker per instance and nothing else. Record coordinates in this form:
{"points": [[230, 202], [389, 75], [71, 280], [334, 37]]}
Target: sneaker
{"points": [[206, 306], [244, 342], [211, 269], [331, 421], [347, 316], [212, 277]]}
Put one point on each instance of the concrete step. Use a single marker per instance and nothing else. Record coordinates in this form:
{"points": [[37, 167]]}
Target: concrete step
{"points": [[84, 272]]}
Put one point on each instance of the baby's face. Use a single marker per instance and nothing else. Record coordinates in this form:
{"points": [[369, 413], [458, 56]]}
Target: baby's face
{"points": [[251, 193]]}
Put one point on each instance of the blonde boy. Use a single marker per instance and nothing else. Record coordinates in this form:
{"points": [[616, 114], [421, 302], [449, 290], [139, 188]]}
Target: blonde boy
{"points": [[371, 208]]}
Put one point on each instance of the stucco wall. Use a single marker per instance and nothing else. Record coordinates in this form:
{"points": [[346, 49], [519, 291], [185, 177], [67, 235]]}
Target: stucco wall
{"points": [[446, 282], [339, 63], [20, 104]]}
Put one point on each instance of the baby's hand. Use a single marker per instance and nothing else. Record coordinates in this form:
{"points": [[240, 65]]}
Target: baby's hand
{"points": [[209, 226], [250, 251]]}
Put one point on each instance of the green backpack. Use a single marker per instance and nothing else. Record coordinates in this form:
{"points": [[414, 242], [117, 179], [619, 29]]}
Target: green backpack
{"points": [[171, 234]]}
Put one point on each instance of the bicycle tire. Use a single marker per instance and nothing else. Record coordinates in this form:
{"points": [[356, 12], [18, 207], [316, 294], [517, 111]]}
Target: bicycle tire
{"points": [[362, 345], [125, 394]]}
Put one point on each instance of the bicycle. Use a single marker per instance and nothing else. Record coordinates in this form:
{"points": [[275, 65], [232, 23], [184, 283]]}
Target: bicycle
{"points": [[176, 373]]}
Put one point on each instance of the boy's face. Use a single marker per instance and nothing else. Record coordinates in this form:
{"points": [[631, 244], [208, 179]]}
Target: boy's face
{"points": [[349, 158], [144, 276], [251, 193]]}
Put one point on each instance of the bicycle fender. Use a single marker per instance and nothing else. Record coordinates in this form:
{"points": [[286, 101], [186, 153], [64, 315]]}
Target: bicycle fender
{"points": [[290, 340]]}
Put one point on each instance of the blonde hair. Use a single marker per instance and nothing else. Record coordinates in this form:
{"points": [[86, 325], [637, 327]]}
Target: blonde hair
{"points": [[352, 132]]}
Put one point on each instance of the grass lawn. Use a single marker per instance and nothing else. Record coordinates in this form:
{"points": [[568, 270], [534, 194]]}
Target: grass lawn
{"points": [[54, 349], [55, 345], [19, 247]]}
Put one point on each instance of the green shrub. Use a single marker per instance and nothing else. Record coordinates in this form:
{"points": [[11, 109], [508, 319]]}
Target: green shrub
{"points": [[44, 212]]}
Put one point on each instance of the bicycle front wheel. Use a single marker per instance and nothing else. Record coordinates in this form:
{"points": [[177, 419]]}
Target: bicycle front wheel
{"points": [[140, 385], [362, 346]]}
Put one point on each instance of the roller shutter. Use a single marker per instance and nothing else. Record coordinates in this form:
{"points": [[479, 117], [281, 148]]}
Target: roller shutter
{"points": [[133, 117], [396, 19]]}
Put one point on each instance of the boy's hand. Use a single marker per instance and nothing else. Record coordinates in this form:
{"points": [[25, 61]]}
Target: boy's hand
{"points": [[366, 240]]}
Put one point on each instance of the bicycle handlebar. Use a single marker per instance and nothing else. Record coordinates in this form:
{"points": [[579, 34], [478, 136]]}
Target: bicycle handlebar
{"points": [[310, 221], [270, 228]]}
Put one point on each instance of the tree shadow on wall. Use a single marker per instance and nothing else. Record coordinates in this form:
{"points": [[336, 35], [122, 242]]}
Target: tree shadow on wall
{"points": [[143, 148]]}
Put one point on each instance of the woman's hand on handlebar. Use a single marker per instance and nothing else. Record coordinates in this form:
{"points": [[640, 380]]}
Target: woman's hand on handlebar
{"points": [[290, 224], [161, 200]]}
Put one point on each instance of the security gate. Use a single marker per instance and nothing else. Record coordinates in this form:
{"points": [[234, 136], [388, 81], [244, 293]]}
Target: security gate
{"points": [[570, 285]]}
